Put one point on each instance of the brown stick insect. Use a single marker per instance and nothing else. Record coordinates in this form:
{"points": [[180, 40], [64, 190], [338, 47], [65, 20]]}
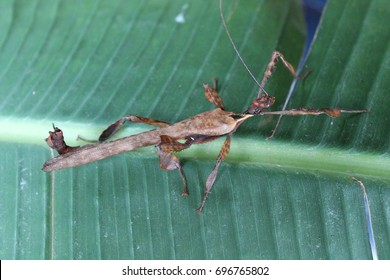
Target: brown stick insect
{"points": [[198, 129]]}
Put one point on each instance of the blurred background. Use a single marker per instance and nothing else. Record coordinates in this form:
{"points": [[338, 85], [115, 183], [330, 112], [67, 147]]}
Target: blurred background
{"points": [[313, 10]]}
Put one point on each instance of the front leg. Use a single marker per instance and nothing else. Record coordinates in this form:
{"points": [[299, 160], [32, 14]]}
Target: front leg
{"points": [[271, 67]]}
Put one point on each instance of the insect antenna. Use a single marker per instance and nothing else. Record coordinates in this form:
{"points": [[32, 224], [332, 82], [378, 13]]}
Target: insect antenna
{"points": [[261, 88]]}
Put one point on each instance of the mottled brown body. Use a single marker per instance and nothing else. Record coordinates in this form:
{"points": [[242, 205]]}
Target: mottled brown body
{"points": [[198, 129], [212, 123]]}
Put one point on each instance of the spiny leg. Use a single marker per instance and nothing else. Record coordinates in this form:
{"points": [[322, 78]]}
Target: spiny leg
{"points": [[271, 67], [213, 175], [212, 94], [332, 112], [168, 161], [116, 126]]}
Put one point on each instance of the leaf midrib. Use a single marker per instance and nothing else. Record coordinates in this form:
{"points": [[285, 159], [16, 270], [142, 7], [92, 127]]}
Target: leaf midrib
{"points": [[243, 150]]}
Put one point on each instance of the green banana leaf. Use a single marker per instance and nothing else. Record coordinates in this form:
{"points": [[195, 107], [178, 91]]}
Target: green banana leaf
{"points": [[83, 64]]}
